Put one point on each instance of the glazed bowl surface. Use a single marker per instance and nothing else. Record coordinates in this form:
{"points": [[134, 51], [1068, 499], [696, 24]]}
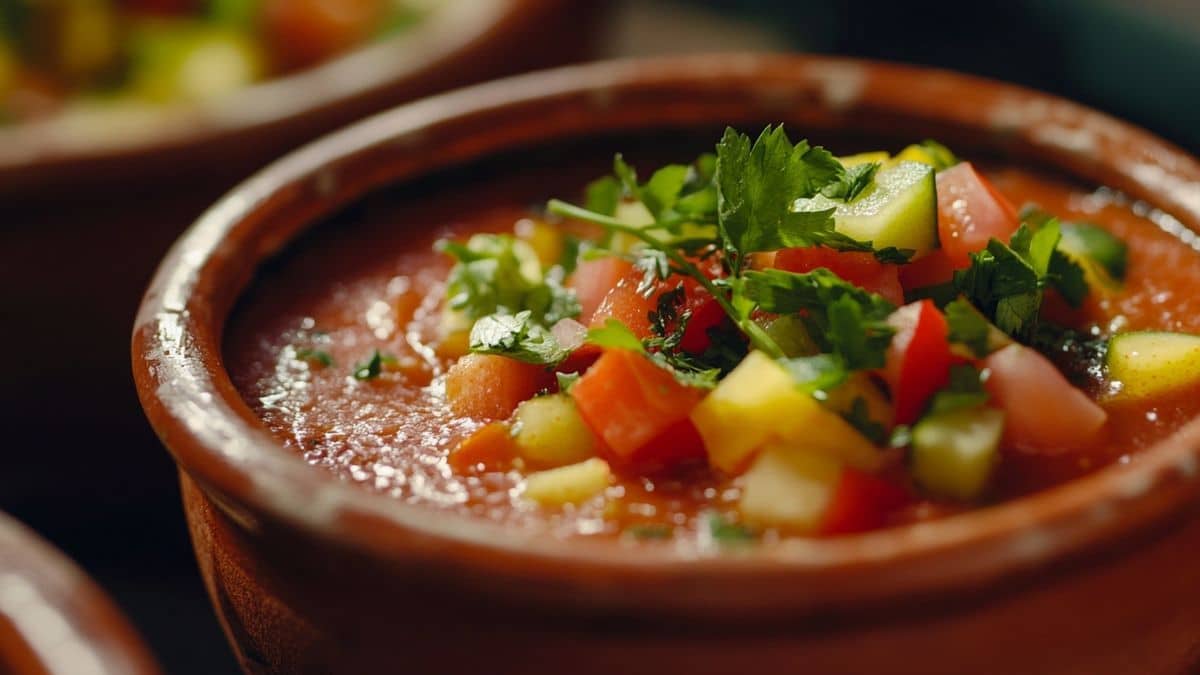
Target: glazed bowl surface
{"points": [[54, 620], [306, 571]]}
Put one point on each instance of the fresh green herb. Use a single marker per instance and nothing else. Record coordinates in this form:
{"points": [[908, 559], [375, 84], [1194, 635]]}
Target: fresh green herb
{"points": [[859, 417], [841, 317], [1067, 276], [615, 335], [497, 273], [648, 531], [602, 196], [726, 533], [969, 327], [1005, 281], [316, 356], [566, 381], [965, 390], [691, 372], [373, 367], [856, 179], [517, 336]]}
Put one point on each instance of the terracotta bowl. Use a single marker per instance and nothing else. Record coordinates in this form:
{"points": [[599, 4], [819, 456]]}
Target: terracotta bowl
{"points": [[309, 574], [86, 218], [54, 620]]}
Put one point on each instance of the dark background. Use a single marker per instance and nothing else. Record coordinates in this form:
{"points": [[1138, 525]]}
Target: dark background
{"points": [[1137, 61]]}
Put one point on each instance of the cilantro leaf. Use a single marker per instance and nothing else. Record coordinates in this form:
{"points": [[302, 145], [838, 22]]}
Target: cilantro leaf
{"points": [[818, 373], [615, 335], [602, 196], [371, 368], [497, 273], [965, 390], [726, 533], [841, 317], [969, 327], [661, 192], [855, 179], [1067, 276], [316, 356], [757, 184], [517, 336]]}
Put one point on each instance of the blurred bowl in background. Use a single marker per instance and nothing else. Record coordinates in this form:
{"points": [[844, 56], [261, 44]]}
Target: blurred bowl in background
{"points": [[88, 208], [453, 43], [53, 619]]}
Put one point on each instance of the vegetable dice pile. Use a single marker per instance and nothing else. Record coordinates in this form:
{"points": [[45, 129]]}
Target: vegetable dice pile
{"points": [[846, 336]]}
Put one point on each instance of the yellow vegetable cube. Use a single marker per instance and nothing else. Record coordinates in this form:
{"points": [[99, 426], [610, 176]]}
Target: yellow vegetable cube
{"points": [[568, 484], [759, 403], [550, 431], [789, 488]]}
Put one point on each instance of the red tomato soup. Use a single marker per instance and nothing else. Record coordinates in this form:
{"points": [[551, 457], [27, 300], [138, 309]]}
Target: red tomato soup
{"points": [[345, 349]]}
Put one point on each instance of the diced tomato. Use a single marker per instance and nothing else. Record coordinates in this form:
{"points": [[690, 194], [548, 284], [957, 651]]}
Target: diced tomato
{"points": [[625, 304], [859, 268], [593, 279], [490, 387], [706, 314], [929, 270], [918, 360], [491, 447], [630, 403], [678, 444], [1043, 412], [862, 502], [581, 359], [304, 32], [970, 213]]}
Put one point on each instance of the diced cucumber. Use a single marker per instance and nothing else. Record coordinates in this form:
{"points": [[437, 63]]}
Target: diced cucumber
{"points": [[932, 153], [568, 484], [1151, 363], [1102, 254], [550, 432], [953, 453], [899, 209], [864, 158], [789, 488]]}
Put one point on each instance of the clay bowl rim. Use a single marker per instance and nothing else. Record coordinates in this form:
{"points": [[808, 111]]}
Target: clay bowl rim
{"points": [[100, 639], [308, 93], [217, 440]]}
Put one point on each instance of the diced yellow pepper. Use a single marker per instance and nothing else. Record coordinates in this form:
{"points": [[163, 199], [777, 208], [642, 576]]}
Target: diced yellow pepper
{"points": [[759, 403], [786, 487], [568, 484]]}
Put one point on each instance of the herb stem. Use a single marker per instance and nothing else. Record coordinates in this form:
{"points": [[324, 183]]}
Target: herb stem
{"points": [[758, 337]]}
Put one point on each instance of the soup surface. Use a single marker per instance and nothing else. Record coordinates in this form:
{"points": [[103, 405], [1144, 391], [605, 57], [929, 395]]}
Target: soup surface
{"points": [[373, 284]]}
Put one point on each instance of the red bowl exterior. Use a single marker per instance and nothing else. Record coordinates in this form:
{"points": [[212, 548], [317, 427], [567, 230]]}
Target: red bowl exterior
{"points": [[54, 620], [311, 575]]}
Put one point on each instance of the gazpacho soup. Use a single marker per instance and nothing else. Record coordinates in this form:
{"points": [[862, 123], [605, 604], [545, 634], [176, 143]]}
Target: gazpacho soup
{"points": [[769, 341]]}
